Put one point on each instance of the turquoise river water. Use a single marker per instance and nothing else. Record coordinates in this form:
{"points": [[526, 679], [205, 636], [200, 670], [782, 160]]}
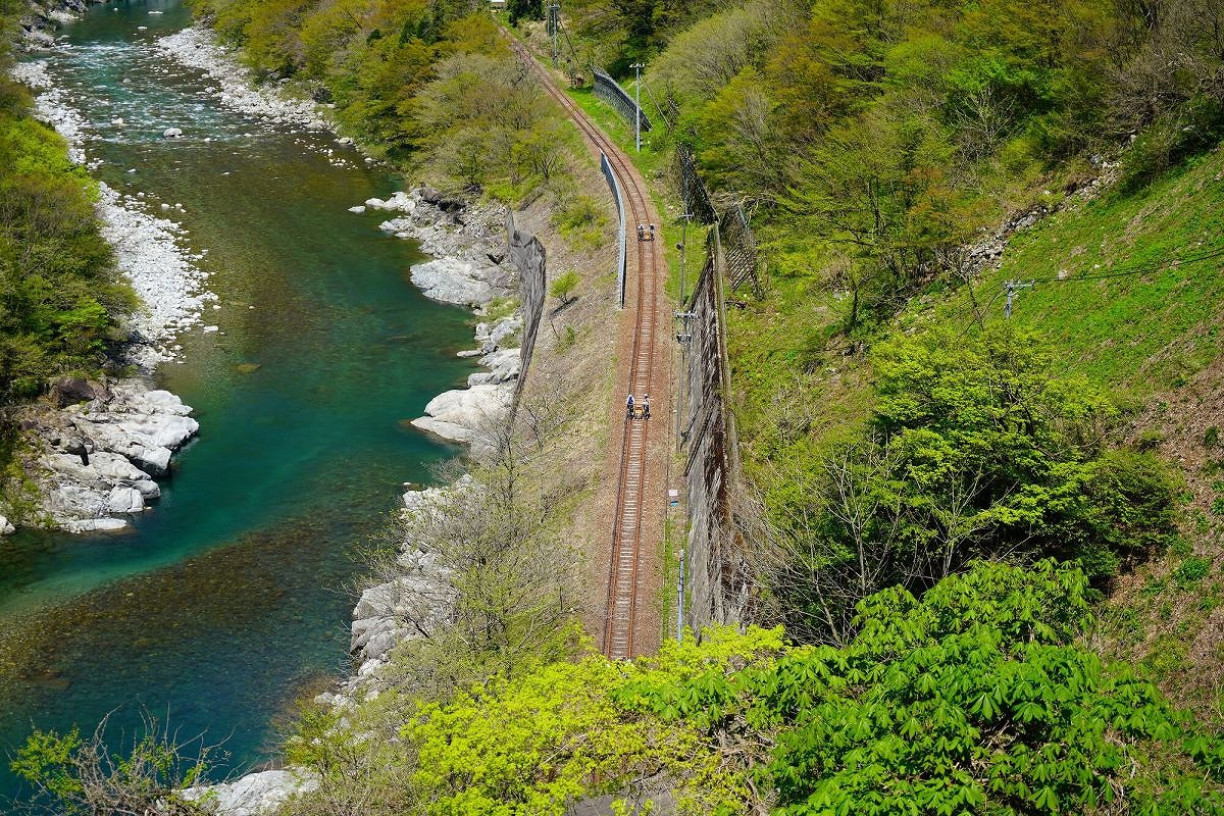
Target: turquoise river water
{"points": [[233, 594]]}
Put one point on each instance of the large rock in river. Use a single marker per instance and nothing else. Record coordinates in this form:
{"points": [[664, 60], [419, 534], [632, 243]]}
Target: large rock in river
{"points": [[452, 280], [473, 415], [100, 454]]}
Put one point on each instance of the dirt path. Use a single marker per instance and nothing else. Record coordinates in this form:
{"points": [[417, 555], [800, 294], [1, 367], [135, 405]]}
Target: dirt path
{"points": [[637, 459]]}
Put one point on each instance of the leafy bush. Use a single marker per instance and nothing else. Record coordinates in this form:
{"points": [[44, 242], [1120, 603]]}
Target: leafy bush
{"points": [[83, 776], [1170, 140], [581, 221], [973, 699], [563, 287], [974, 451], [59, 293], [1192, 570]]}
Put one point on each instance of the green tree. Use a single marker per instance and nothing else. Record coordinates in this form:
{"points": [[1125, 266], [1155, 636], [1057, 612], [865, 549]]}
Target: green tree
{"points": [[974, 698], [975, 450], [60, 295]]}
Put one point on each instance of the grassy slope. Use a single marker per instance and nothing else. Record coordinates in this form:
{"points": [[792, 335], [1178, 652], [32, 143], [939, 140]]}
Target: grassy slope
{"points": [[1126, 312], [1126, 315], [1153, 331]]}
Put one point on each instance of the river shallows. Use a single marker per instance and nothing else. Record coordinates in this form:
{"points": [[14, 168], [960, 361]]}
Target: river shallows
{"points": [[231, 596]]}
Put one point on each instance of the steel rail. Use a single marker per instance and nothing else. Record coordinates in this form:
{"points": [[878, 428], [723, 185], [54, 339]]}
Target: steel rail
{"points": [[625, 567]]}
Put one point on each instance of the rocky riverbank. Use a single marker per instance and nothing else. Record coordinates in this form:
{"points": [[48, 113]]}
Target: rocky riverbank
{"points": [[469, 268], [95, 457], [97, 448], [468, 242], [197, 47], [101, 452], [417, 592]]}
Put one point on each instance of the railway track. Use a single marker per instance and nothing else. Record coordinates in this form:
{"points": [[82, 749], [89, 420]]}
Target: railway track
{"points": [[627, 581]]}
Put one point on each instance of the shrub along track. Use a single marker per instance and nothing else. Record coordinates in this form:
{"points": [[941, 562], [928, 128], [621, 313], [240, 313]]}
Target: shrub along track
{"points": [[631, 621]]}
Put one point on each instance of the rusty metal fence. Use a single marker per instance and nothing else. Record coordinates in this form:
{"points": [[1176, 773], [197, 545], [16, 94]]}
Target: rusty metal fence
{"points": [[718, 577], [738, 240]]}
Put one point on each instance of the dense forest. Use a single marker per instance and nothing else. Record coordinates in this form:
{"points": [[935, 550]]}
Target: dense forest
{"points": [[984, 542]]}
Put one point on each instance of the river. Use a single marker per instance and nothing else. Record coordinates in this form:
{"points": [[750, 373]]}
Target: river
{"points": [[232, 595]]}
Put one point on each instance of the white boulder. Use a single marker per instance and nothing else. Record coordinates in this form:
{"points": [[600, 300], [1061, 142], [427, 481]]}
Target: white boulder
{"points": [[452, 280], [125, 500], [504, 365], [472, 415], [256, 794]]}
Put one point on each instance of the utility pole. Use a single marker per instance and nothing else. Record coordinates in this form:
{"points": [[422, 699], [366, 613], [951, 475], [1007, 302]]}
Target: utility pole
{"points": [[1011, 286], [554, 17], [688, 213], [637, 101], [680, 600]]}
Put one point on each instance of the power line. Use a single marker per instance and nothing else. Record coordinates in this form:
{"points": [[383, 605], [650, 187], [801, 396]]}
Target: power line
{"points": [[1010, 287], [1139, 269]]}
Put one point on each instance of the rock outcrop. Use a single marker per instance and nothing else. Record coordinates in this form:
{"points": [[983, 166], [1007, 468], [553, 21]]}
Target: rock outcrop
{"points": [[470, 415], [256, 794], [470, 269], [99, 455]]}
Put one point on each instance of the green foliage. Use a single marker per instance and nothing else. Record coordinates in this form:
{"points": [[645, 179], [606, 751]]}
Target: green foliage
{"points": [[525, 10], [428, 83], [46, 759], [482, 119], [1192, 570], [962, 716], [569, 730], [974, 451], [59, 292], [566, 341], [359, 766], [581, 220], [972, 699], [563, 287], [74, 775]]}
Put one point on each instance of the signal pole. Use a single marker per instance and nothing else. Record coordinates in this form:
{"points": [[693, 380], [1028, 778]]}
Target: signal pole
{"points": [[637, 101], [1011, 286]]}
